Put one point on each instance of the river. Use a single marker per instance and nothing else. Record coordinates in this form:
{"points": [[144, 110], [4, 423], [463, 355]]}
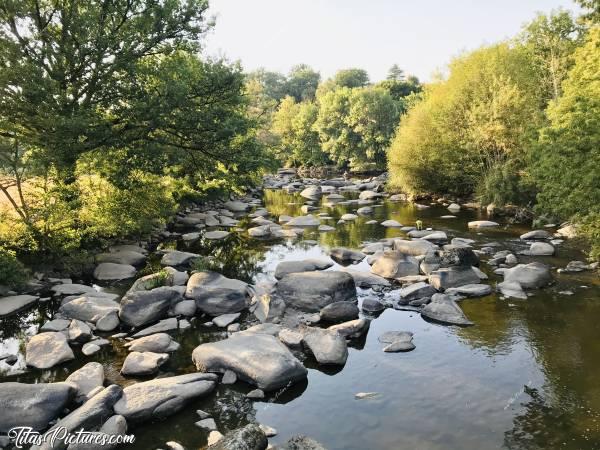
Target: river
{"points": [[525, 376]]}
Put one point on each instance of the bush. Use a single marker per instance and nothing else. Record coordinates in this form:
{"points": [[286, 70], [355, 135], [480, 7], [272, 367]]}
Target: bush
{"points": [[12, 272]]}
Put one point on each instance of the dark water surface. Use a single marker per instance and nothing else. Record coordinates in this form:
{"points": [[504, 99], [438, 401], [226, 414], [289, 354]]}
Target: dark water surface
{"points": [[526, 376]]}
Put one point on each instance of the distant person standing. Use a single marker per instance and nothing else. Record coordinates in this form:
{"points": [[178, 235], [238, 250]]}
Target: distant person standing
{"points": [[419, 225], [346, 175]]}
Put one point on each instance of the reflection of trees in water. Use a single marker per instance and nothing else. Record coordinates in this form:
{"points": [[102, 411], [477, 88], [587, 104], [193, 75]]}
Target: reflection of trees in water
{"points": [[236, 256], [543, 426], [278, 203], [497, 326]]}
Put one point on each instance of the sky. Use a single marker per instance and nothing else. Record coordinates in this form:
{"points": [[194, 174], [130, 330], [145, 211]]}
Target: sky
{"points": [[421, 36]]}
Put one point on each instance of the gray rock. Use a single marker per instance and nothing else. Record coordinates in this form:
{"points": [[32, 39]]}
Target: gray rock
{"points": [[143, 307], [259, 359], [372, 305], [46, 350], [157, 343], [328, 347], [256, 394], [539, 249], [146, 363], [312, 192], [216, 235], [482, 224], [416, 291], [115, 426], [89, 349], [391, 224], [79, 331], [290, 338], [346, 255], [129, 257], [395, 264], [55, 325], [307, 265], [339, 312], [398, 341], [250, 437], [185, 308], [302, 442], [162, 397], [304, 221], [536, 234], [236, 206], [364, 211], [229, 377], [90, 416], [160, 327], [454, 276], [32, 405], [86, 379], [207, 424], [88, 308], [351, 329], [365, 279], [444, 309], [225, 319], [471, 290], [311, 291], [413, 248], [13, 304], [215, 294], [268, 308], [348, 217], [111, 271], [72, 289], [459, 256], [512, 289], [177, 258], [530, 276]]}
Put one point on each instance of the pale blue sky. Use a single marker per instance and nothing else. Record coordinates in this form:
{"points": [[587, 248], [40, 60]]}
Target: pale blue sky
{"points": [[419, 35]]}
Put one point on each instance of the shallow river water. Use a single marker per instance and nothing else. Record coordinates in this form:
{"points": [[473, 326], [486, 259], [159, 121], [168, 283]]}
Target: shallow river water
{"points": [[525, 376]]}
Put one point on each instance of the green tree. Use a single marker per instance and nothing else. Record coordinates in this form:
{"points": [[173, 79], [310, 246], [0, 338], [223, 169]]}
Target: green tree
{"points": [[356, 125], [565, 164], [302, 82], [351, 78], [551, 40], [395, 73], [467, 128]]}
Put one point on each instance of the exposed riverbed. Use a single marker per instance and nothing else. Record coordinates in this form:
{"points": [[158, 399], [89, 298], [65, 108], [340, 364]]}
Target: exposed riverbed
{"points": [[524, 376]]}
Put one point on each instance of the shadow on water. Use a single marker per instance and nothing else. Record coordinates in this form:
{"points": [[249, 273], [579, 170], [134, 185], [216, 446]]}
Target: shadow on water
{"points": [[524, 377]]}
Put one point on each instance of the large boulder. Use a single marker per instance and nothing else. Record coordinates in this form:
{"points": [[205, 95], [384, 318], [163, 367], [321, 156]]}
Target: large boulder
{"points": [[530, 276], [395, 264], [307, 265], [90, 416], [259, 359], [250, 437], [115, 426], [539, 249], [89, 308], [444, 309], [312, 193], [215, 294], [46, 350], [416, 291], [327, 346], [459, 256], [482, 224], [32, 405], [132, 258], [471, 290], [88, 378], [413, 248], [143, 363], [311, 291], [339, 312], [365, 279], [111, 271], [352, 328], [455, 276], [143, 307], [536, 234], [162, 397], [16, 303]]}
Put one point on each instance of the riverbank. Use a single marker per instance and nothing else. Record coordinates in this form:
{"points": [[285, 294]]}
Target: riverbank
{"points": [[308, 283]]}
